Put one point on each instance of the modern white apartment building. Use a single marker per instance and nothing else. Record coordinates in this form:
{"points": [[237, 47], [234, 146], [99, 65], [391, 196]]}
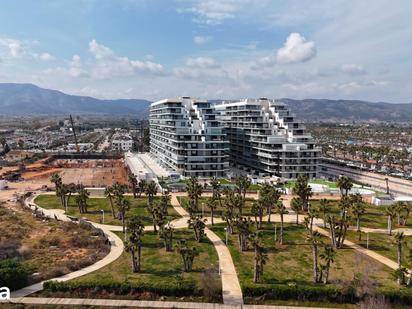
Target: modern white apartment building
{"points": [[122, 142], [185, 136], [264, 137]]}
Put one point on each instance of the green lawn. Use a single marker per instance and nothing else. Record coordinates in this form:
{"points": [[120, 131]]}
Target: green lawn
{"points": [[383, 244], [374, 216], [183, 200], [291, 263], [95, 205], [158, 266]]}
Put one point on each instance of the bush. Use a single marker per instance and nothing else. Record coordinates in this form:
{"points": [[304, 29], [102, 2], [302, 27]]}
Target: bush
{"points": [[169, 288], [322, 293], [13, 274]]}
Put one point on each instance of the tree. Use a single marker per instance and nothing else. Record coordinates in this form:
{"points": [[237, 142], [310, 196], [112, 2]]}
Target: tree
{"points": [[81, 198], [391, 213], [296, 205], [122, 205], [194, 191], [260, 256], [399, 207], [328, 256], [315, 240], [133, 184], [399, 240], [407, 208], [109, 193], [269, 196], [216, 190], [323, 208], [243, 183], [167, 235], [197, 223], [141, 187], [281, 210], [229, 204], [243, 226], [188, 255], [71, 188], [158, 218], [357, 209], [151, 191], [257, 211], [164, 202], [344, 184], [303, 190], [212, 205], [133, 244]]}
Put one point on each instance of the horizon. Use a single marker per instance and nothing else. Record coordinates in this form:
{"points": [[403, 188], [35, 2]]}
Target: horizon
{"points": [[345, 50]]}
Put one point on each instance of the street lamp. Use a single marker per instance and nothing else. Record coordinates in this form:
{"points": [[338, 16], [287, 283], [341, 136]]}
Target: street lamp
{"points": [[102, 210], [226, 232]]}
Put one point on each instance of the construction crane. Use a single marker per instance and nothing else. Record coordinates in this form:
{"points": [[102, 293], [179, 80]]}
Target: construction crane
{"points": [[74, 133]]}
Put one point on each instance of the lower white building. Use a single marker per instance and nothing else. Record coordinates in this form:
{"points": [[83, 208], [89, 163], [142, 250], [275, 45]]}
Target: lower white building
{"points": [[122, 142]]}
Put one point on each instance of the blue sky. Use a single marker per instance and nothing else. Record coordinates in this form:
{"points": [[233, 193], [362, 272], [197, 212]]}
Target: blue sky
{"points": [[333, 49]]}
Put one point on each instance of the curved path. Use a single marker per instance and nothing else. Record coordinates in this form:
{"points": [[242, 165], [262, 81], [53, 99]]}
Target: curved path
{"points": [[116, 249], [232, 293]]}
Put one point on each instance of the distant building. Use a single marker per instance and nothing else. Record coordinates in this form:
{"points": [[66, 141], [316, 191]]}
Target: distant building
{"points": [[265, 138], [122, 142], [186, 137]]}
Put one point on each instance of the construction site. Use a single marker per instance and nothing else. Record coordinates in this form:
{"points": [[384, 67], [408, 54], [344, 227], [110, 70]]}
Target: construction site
{"points": [[91, 172]]}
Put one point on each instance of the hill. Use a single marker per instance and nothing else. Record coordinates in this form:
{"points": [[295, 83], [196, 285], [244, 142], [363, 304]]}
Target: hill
{"points": [[28, 99]]}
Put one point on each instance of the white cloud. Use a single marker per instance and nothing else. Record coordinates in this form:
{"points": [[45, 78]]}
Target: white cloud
{"points": [[109, 65], [296, 49], [200, 40], [353, 69], [44, 56], [201, 62], [100, 51], [76, 67], [212, 12], [14, 47]]}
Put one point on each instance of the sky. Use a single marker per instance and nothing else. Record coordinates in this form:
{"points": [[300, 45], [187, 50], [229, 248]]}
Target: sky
{"points": [[334, 49]]}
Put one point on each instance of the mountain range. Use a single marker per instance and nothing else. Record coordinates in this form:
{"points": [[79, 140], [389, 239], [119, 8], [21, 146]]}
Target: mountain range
{"points": [[29, 99]]}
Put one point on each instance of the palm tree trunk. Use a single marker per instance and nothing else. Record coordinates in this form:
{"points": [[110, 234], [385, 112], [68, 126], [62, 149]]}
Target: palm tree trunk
{"points": [[326, 277], [315, 262], [211, 215], [139, 254], [281, 229]]}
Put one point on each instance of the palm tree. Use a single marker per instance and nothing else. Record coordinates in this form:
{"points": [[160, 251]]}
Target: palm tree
{"points": [[123, 205], [216, 190], [399, 241], [315, 240], [399, 207], [296, 205], [198, 224], [133, 183], [194, 191], [151, 191], [391, 213], [344, 184], [133, 244], [328, 256], [260, 256], [243, 226], [167, 234], [211, 204], [81, 198], [109, 193], [323, 208], [303, 190], [357, 209], [281, 210], [141, 187], [243, 183], [188, 255], [257, 211]]}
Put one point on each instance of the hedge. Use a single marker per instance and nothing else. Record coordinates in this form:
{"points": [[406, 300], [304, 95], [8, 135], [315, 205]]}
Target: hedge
{"points": [[167, 288], [13, 274], [325, 293]]}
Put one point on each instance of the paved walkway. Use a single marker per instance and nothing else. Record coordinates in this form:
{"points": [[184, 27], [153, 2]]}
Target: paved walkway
{"points": [[116, 249], [139, 303], [232, 293]]}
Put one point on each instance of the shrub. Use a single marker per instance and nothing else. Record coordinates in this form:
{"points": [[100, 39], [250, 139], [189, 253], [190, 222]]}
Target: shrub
{"points": [[169, 288], [13, 274]]}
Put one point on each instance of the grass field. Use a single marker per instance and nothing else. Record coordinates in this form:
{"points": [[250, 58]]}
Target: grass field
{"points": [[374, 216], [158, 266], [218, 211], [291, 263], [383, 244], [95, 205]]}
